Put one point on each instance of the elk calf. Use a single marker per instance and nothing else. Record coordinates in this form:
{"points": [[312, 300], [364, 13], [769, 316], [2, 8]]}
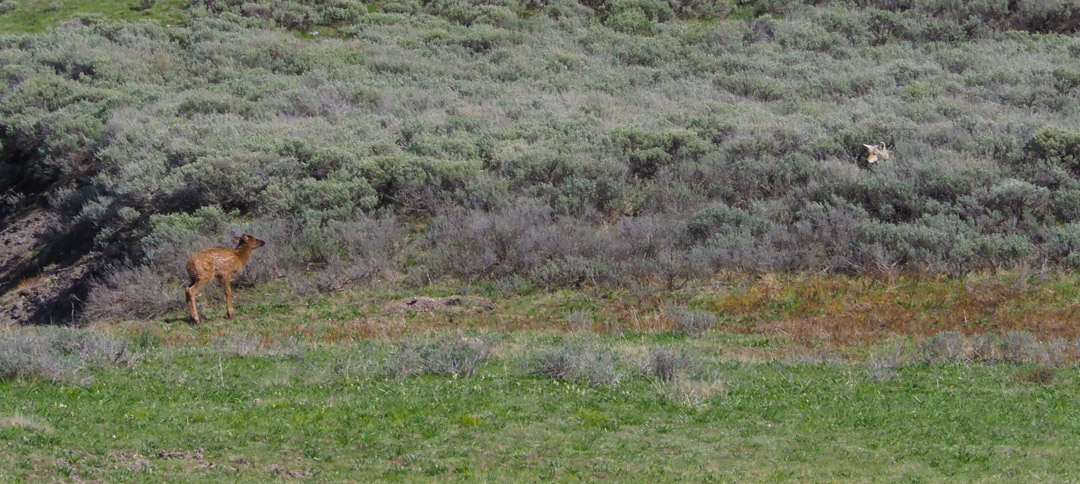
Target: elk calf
{"points": [[876, 152], [219, 262]]}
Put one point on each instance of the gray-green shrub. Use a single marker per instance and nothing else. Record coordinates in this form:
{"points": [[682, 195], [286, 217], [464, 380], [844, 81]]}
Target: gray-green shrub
{"points": [[457, 357], [60, 354], [578, 362]]}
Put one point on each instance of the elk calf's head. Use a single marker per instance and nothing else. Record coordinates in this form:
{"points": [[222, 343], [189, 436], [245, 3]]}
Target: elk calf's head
{"points": [[248, 241]]}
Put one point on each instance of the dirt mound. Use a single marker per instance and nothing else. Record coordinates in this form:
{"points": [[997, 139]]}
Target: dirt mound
{"points": [[449, 304], [283, 473]]}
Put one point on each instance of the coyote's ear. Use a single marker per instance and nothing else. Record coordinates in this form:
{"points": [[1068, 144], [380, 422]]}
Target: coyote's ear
{"points": [[870, 147]]}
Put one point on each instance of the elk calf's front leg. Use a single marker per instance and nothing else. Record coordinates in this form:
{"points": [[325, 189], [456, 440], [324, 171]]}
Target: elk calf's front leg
{"points": [[229, 313]]}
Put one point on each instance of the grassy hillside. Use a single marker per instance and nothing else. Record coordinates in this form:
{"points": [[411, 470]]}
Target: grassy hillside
{"points": [[538, 145]]}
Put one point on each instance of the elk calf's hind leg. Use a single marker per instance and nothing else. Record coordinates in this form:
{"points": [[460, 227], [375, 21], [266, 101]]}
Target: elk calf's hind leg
{"points": [[192, 291]]}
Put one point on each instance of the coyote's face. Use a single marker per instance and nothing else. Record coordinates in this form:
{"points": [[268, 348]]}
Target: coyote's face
{"points": [[876, 152]]}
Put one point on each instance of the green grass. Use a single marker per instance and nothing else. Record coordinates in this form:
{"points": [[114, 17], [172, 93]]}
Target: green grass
{"points": [[329, 412], [305, 388], [38, 15]]}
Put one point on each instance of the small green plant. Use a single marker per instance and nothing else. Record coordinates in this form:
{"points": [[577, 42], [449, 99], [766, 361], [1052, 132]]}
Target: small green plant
{"points": [[470, 420]]}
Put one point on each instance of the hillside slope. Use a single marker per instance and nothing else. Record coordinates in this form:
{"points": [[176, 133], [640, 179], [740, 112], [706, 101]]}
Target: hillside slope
{"points": [[534, 145]]}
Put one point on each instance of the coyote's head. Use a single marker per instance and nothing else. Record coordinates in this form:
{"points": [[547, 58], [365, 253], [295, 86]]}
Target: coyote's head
{"points": [[876, 152]]}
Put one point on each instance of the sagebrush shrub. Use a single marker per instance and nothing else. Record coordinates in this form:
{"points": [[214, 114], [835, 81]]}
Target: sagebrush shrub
{"points": [[882, 364], [140, 292], [578, 362], [60, 354], [456, 357], [668, 364], [1020, 347], [691, 321], [1063, 245], [945, 347]]}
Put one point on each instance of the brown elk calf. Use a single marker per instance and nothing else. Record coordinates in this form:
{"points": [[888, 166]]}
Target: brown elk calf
{"points": [[219, 262]]}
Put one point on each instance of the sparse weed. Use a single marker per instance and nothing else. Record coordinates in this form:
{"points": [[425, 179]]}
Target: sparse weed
{"points": [[22, 422], [694, 393], [579, 321], [815, 356], [1039, 375]]}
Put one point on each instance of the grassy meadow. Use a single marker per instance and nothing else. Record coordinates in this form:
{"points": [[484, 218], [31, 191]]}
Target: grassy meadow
{"points": [[758, 380], [329, 414], [688, 272]]}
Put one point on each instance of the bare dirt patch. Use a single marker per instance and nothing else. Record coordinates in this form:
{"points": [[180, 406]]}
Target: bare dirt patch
{"points": [[193, 456], [450, 304], [18, 236], [51, 297], [42, 274], [283, 473], [135, 462]]}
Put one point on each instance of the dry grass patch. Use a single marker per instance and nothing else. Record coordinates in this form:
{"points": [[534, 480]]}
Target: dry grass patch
{"points": [[694, 393], [449, 304], [27, 423], [859, 310]]}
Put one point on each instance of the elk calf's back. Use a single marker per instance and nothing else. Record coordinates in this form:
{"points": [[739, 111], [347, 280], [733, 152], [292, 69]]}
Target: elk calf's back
{"points": [[221, 263]]}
